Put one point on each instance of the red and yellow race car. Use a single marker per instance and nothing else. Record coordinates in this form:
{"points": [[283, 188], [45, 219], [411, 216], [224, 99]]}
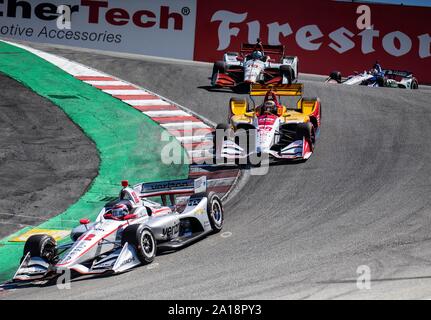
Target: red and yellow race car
{"points": [[283, 130]]}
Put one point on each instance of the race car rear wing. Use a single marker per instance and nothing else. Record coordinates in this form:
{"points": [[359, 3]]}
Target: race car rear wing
{"points": [[173, 187], [247, 48], [294, 89], [404, 74]]}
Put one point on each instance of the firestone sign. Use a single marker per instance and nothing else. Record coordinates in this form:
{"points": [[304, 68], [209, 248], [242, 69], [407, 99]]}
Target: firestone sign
{"points": [[324, 34], [311, 38], [146, 27]]}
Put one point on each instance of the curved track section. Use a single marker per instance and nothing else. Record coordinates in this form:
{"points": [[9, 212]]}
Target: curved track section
{"points": [[42, 154], [302, 230]]}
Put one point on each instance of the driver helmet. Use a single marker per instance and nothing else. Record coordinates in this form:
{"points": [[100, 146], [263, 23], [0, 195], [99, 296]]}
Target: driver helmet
{"points": [[257, 55], [269, 107], [376, 68], [119, 211]]}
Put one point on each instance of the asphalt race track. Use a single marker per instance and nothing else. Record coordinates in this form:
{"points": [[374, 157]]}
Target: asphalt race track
{"points": [[46, 162], [302, 230]]}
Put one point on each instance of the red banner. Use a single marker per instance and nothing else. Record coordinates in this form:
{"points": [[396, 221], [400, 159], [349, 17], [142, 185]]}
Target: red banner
{"points": [[325, 35]]}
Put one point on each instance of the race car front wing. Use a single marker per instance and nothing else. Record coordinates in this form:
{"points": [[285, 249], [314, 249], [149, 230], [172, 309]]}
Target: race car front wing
{"points": [[36, 268], [297, 150]]}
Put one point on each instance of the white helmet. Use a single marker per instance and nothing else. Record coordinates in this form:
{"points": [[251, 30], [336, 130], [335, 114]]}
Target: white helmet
{"points": [[257, 55], [270, 107]]}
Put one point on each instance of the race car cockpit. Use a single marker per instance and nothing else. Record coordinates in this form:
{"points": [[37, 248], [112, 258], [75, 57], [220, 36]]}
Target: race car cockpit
{"points": [[270, 105]]}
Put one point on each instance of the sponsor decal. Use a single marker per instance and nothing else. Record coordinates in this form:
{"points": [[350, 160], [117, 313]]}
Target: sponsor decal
{"points": [[127, 261], [200, 211], [170, 231], [96, 12], [200, 184], [75, 250], [135, 197], [106, 264], [56, 234], [193, 202], [354, 40], [167, 186], [118, 25]]}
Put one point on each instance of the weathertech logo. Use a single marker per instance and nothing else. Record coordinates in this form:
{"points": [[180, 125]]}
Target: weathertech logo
{"points": [[98, 11]]}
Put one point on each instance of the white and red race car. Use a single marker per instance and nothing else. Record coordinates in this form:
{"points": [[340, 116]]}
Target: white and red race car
{"points": [[256, 63], [115, 242]]}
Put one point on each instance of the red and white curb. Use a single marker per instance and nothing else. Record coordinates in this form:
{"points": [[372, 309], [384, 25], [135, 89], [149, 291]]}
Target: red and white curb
{"points": [[191, 130]]}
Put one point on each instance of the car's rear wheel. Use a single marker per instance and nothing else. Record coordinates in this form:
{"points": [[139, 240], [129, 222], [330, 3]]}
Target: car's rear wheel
{"points": [[335, 75], [288, 72], [143, 240], [381, 81], [41, 246], [215, 212], [219, 67]]}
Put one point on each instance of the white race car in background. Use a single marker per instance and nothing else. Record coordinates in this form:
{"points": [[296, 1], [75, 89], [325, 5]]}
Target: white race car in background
{"points": [[113, 244], [264, 64], [385, 78]]}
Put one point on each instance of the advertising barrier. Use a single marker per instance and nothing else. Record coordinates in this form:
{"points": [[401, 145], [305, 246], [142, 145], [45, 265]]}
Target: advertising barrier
{"points": [[326, 35], [158, 28]]}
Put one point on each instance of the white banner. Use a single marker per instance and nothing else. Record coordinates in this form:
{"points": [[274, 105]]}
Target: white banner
{"points": [[164, 28]]}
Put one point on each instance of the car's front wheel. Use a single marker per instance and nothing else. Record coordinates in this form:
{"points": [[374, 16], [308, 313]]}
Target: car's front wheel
{"points": [[41, 246], [215, 212], [143, 240], [306, 130]]}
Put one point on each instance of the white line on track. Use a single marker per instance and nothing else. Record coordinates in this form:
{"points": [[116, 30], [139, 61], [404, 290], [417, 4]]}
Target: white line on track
{"points": [[105, 83], [188, 125], [166, 113], [126, 92], [149, 102]]}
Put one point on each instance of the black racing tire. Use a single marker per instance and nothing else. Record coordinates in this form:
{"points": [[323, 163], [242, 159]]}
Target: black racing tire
{"points": [[219, 66], [415, 85], [305, 130], [215, 212], [217, 147], [142, 238], [381, 81], [335, 75], [41, 246], [220, 127], [288, 72], [255, 164]]}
